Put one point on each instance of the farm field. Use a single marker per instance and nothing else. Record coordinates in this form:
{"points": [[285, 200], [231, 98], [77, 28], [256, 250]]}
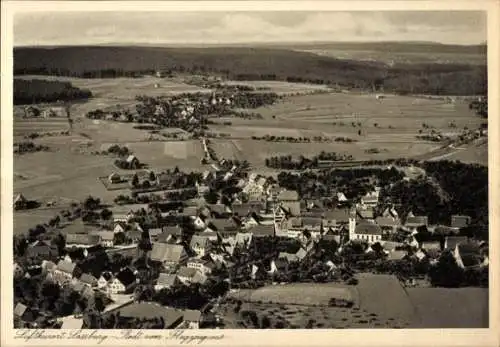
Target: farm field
{"points": [[109, 93], [297, 294], [282, 88], [450, 307], [255, 152], [380, 302], [389, 125]]}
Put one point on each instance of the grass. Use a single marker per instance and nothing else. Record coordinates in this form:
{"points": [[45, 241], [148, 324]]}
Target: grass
{"points": [[450, 308], [297, 294]]}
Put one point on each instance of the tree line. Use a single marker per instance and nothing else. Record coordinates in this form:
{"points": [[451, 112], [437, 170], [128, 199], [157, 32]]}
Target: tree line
{"points": [[254, 64], [37, 91]]}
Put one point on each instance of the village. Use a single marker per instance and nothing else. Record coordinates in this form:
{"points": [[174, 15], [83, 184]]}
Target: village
{"points": [[171, 253]]}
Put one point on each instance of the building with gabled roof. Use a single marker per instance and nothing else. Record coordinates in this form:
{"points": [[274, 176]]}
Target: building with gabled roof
{"points": [[458, 221], [167, 281], [367, 231], [200, 244], [168, 254]]}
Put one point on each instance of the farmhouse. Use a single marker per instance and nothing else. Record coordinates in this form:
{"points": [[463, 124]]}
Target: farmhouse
{"points": [[20, 202], [123, 283], [168, 254], [82, 240], [64, 272], [172, 318], [114, 178], [204, 266], [371, 198], [467, 255], [132, 162], [88, 280], [262, 230], [192, 319], [40, 250], [106, 238], [186, 274], [460, 221], [451, 242], [167, 281]]}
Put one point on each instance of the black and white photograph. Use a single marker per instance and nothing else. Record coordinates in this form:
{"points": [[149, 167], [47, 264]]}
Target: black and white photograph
{"points": [[250, 170]]}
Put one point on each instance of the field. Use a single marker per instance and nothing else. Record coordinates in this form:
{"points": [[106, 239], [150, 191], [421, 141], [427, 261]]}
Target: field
{"points": [[110, 93], [389, 125], [282, 88], [297, 294], [331, 115], [450, 308], [381, 302]]}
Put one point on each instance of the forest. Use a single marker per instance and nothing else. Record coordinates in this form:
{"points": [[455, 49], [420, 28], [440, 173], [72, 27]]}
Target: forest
{"points": [[39, 91], [247, 63]]}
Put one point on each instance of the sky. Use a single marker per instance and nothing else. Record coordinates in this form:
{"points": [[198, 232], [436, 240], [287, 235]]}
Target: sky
{"points": [[89, 28]]}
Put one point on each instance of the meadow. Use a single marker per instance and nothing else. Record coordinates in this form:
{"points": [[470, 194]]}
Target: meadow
{"points": [[380, 302]]}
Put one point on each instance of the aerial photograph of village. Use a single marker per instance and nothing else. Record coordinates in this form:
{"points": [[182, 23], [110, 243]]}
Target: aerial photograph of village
{"points": [[250, 170]]}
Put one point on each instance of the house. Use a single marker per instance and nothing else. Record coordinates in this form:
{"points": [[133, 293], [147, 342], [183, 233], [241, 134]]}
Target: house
{"points": [[387, 224], [123, 283], [106, 237], [191, 318], [199, 278], [243, 239], [41, 250], [288, 196], [245, 209], [219, 211], [24, 313], [340, 216], [415, 222], [82, 240], [169, 255], [262, 230], [64, 271], [390, 246], [204, 266], [467, 255], [88, 280], [171, 317], [114, 178], [396, 255], [132, 162], [371, 198], [20, 202], [451, 242], [341, 198], [365, 213], [102, 282], [291, 208], [186, 274], [168, 232], [189, 211], [154, 233], [460, 221], [200, 244], [167, 281], [366, 231], [225, 226], [120, 226]]}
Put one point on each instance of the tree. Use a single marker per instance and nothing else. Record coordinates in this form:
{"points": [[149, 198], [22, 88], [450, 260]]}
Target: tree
{"points": [[152, 176], [135, 181], [211, 196], [446, 273], [60, 242], [91, 203], [106, 214]]}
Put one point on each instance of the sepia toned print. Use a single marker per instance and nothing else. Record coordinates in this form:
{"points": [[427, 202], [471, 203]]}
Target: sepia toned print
{"points": [[250, 170]]}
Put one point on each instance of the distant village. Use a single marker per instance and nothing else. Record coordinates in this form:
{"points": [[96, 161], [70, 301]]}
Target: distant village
{"points": [[168, 259]]}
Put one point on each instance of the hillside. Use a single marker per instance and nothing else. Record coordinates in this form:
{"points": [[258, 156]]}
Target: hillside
{"points": [[252, 64]]}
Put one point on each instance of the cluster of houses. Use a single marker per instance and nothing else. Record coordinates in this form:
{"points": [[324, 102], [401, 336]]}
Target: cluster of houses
{"points": [[268, 211]]}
